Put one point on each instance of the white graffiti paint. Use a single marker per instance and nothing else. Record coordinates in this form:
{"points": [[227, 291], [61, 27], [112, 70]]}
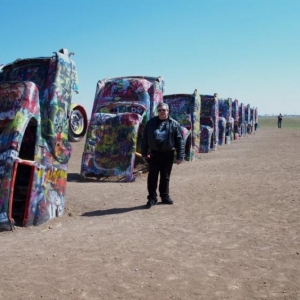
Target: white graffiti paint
{"points": [[8, 154]]}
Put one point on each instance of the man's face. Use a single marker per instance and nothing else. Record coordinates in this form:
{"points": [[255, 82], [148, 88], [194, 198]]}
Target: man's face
{"points": [[163, 112]]}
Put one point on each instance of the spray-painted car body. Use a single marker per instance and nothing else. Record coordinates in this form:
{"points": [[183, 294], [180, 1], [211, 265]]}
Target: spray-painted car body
{"points": [[122, 106], [235, 116], [35, 102], [225, 111], [185, 109], [210, 117], [248, 119], [242, 120], [222, 131], [205, 138], [255, 118]]}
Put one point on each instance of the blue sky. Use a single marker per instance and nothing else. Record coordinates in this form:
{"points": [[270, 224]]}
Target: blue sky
{"points": [[243, 49]]}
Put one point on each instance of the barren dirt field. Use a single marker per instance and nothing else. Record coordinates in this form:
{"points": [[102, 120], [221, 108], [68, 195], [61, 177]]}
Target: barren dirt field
{"points": [[232, 233]]}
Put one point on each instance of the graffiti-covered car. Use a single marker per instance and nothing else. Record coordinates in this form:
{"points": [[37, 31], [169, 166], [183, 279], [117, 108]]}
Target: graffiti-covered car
{"points": [[242, 120], [235, 116], [185, 109], [121, 108], [209, 117], [225, 111], [35, 105]]}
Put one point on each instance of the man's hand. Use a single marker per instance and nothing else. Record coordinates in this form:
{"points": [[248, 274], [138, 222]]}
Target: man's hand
{"points": [[178, 161]]}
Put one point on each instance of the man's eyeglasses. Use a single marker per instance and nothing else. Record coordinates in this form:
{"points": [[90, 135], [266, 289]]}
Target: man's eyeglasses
{"points": [[160, 110]]}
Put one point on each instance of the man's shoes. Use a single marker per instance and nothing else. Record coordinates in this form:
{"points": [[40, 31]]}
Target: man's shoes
{"points": [[167, 200], [151, 202]]}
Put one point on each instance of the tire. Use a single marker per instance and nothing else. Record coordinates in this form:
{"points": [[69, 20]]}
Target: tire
{"points": [[77, 124]]}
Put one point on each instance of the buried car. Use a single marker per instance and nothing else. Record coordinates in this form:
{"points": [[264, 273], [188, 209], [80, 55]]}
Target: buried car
{"points": [[185, 109], [122, 106], [35, 105]]}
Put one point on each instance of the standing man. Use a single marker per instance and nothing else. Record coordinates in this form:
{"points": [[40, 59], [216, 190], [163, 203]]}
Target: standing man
{"points": [[279, 120], [162, 136]]}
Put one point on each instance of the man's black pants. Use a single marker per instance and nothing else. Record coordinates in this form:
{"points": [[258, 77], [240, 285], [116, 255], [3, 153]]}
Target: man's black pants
{"points": [[160, 163]]}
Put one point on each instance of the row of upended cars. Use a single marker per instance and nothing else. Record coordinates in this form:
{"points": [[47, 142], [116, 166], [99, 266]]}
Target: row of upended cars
{"points": [[38, 121]]}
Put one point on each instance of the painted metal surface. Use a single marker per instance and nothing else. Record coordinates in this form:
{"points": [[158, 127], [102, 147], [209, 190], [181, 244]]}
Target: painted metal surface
{"points": [[205, 139], [235, 116], [255, 115], [122, 106], [225, 111], [210, 109], [35, 99], [242, 120], [185, 108], [225, 108], [222, 131], [230, 129], [235, 110], [247, 114]]}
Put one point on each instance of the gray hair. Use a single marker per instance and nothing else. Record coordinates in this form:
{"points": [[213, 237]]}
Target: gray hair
{"points": [[162, 104]]}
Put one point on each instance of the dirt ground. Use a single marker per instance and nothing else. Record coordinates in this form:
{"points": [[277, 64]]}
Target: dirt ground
{"points": [[232, 233]]}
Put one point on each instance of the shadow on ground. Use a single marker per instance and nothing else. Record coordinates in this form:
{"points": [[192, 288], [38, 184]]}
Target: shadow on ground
{"points": [[76, 177], [73, 177], [112, 211]]}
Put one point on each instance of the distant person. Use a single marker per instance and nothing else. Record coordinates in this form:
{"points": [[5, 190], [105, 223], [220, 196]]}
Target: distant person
{"points": [[162, 136], [279, 120]]}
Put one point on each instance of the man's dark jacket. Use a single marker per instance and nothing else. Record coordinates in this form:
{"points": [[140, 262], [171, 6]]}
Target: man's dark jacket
{"points": [[173, 141]]}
